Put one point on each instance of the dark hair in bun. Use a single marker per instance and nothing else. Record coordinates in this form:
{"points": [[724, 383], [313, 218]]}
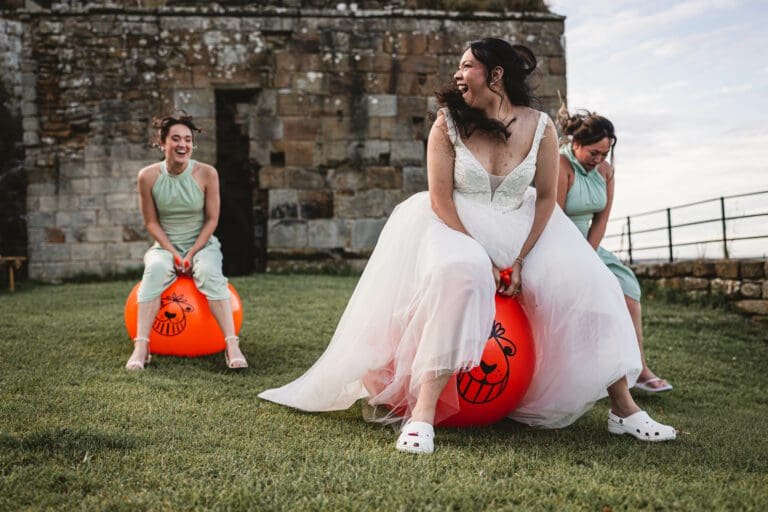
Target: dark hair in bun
{"points": [[585, 127], [517, 61], [163, 125]]}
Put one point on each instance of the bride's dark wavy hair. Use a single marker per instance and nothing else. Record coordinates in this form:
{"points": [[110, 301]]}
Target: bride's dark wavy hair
{"points": [[517, 61]]}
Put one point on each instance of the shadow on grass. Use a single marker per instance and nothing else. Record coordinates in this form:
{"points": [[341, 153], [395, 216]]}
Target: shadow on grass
{"points": [[65, 442]]}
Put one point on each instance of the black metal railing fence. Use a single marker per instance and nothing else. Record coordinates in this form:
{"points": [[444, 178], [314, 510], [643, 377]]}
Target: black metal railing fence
{"points": [[624, 230]]}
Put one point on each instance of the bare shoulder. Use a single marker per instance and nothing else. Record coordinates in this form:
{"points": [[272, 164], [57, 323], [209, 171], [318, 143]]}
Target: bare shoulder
{"points": [[205, 170], [565, 166], [606, 170], [440, 127], [149, 173]]}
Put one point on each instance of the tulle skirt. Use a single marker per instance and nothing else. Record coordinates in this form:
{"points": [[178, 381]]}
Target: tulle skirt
{"points": [[424, 307]]}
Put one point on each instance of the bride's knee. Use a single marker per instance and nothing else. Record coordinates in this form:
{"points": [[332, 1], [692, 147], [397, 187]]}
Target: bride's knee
{"points": [[473, 273]]}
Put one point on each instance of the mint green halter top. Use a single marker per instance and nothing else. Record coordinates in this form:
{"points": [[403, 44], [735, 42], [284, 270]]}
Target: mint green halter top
{"points": [[180, 206], [588, 195]]}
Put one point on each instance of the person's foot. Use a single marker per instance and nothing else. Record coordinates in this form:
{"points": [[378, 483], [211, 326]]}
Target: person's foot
{"points": [[652, 383], [416, 437], [233, 356], [140, 355], [641, 426]]}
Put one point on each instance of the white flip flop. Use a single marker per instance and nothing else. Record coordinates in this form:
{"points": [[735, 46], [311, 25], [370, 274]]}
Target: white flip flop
{"points": [[641, 426], [644, 385], [416, 437]]}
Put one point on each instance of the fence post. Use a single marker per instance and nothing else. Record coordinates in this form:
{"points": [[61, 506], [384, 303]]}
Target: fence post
{"points": [[669, 233], [629, 238], [722, 220]]}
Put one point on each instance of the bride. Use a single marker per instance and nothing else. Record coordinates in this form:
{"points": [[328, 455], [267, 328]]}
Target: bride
{"points": [[424, 306]]}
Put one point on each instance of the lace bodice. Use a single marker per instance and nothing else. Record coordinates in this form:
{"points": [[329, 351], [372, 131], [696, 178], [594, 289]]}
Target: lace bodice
{"points": [[472, 181]]}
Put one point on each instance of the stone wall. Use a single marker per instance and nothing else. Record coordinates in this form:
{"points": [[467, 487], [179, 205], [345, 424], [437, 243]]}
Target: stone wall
{"points": [[333, 106], [743, 283]]}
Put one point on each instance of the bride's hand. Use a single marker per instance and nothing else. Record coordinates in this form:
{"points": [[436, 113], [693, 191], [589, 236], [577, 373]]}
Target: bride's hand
{"points": [[515, 282], [496, 277]]}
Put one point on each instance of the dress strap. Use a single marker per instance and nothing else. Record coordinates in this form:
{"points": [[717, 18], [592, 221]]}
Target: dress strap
{"points": [[453, 132], [538, 134]]}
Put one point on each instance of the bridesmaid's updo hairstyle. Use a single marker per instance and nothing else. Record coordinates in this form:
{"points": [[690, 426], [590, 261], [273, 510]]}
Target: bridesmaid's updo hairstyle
{"points": [[517, 61], [585, 127], [163, 126]]}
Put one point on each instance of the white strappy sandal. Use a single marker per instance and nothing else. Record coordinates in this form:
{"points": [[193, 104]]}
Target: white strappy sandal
{"points": [[641, 426], [137, 364], [237, 363], [416, 437]]}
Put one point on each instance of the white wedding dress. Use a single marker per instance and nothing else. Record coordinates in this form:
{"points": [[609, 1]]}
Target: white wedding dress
{"points": [[424, 306]]}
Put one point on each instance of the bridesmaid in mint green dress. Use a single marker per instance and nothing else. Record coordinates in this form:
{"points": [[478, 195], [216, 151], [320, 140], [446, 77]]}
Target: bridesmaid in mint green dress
{"points": [[180, 204], [585, 193]]}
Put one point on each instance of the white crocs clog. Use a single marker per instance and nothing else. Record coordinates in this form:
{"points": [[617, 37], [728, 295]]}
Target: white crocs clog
{"points": [[416, 437], [641, 426]]}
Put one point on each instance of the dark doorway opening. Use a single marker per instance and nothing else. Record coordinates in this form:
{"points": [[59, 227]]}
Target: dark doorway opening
{"points": [[241, 227]]}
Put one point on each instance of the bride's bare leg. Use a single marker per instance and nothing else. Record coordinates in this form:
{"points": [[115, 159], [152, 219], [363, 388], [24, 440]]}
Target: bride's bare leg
{"points": [[622, 403], [426, 403]]}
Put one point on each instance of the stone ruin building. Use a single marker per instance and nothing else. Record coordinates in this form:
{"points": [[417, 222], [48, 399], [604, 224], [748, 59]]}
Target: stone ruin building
{"points": [[315, 115]]}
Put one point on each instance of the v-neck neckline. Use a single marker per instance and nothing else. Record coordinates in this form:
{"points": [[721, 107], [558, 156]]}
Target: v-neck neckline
{"points": [[515, 168]]}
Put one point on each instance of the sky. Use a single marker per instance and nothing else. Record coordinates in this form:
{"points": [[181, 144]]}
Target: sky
{"points": [[686, 84]]}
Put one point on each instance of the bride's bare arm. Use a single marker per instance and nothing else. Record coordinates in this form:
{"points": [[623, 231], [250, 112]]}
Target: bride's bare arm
{"points": [[546, 187], [440, 156]]}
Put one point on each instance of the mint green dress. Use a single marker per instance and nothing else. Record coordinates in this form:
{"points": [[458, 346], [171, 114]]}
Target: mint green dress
{"points": [[587, 196], [180, 207]]}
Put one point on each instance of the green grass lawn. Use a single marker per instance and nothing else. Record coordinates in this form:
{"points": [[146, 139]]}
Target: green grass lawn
{"points": [[78, 432]]}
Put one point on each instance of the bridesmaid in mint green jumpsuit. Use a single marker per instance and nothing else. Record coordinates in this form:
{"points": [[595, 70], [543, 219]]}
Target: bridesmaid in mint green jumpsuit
{"points": [[585, 193], [180, 205]]}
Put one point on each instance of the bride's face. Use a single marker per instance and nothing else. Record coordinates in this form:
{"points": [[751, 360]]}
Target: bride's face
{"points": [[471, 79]]}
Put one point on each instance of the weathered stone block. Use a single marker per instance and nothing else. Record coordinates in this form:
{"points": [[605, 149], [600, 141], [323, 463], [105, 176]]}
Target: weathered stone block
{"points": [[666, 270], [287, 234], [640, 270], [273, 177], [752, 307], [752, 269], [45, 253], [381, 105], [695, 283], [371, 150], [88, 251], [196, 102], [267, 128], [122, 201], [752, 289], [314, 204], [103, 234], [306, 179], [299, 154], [346, 179], [728, 269], [283, 204], [407, 152], [327, 233], [765, 289], [414, 179], [702, 268], [682, 268], [557, 65], [54, 236], [365, 233], [383, 177], [729, 288], [300, 128]]}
